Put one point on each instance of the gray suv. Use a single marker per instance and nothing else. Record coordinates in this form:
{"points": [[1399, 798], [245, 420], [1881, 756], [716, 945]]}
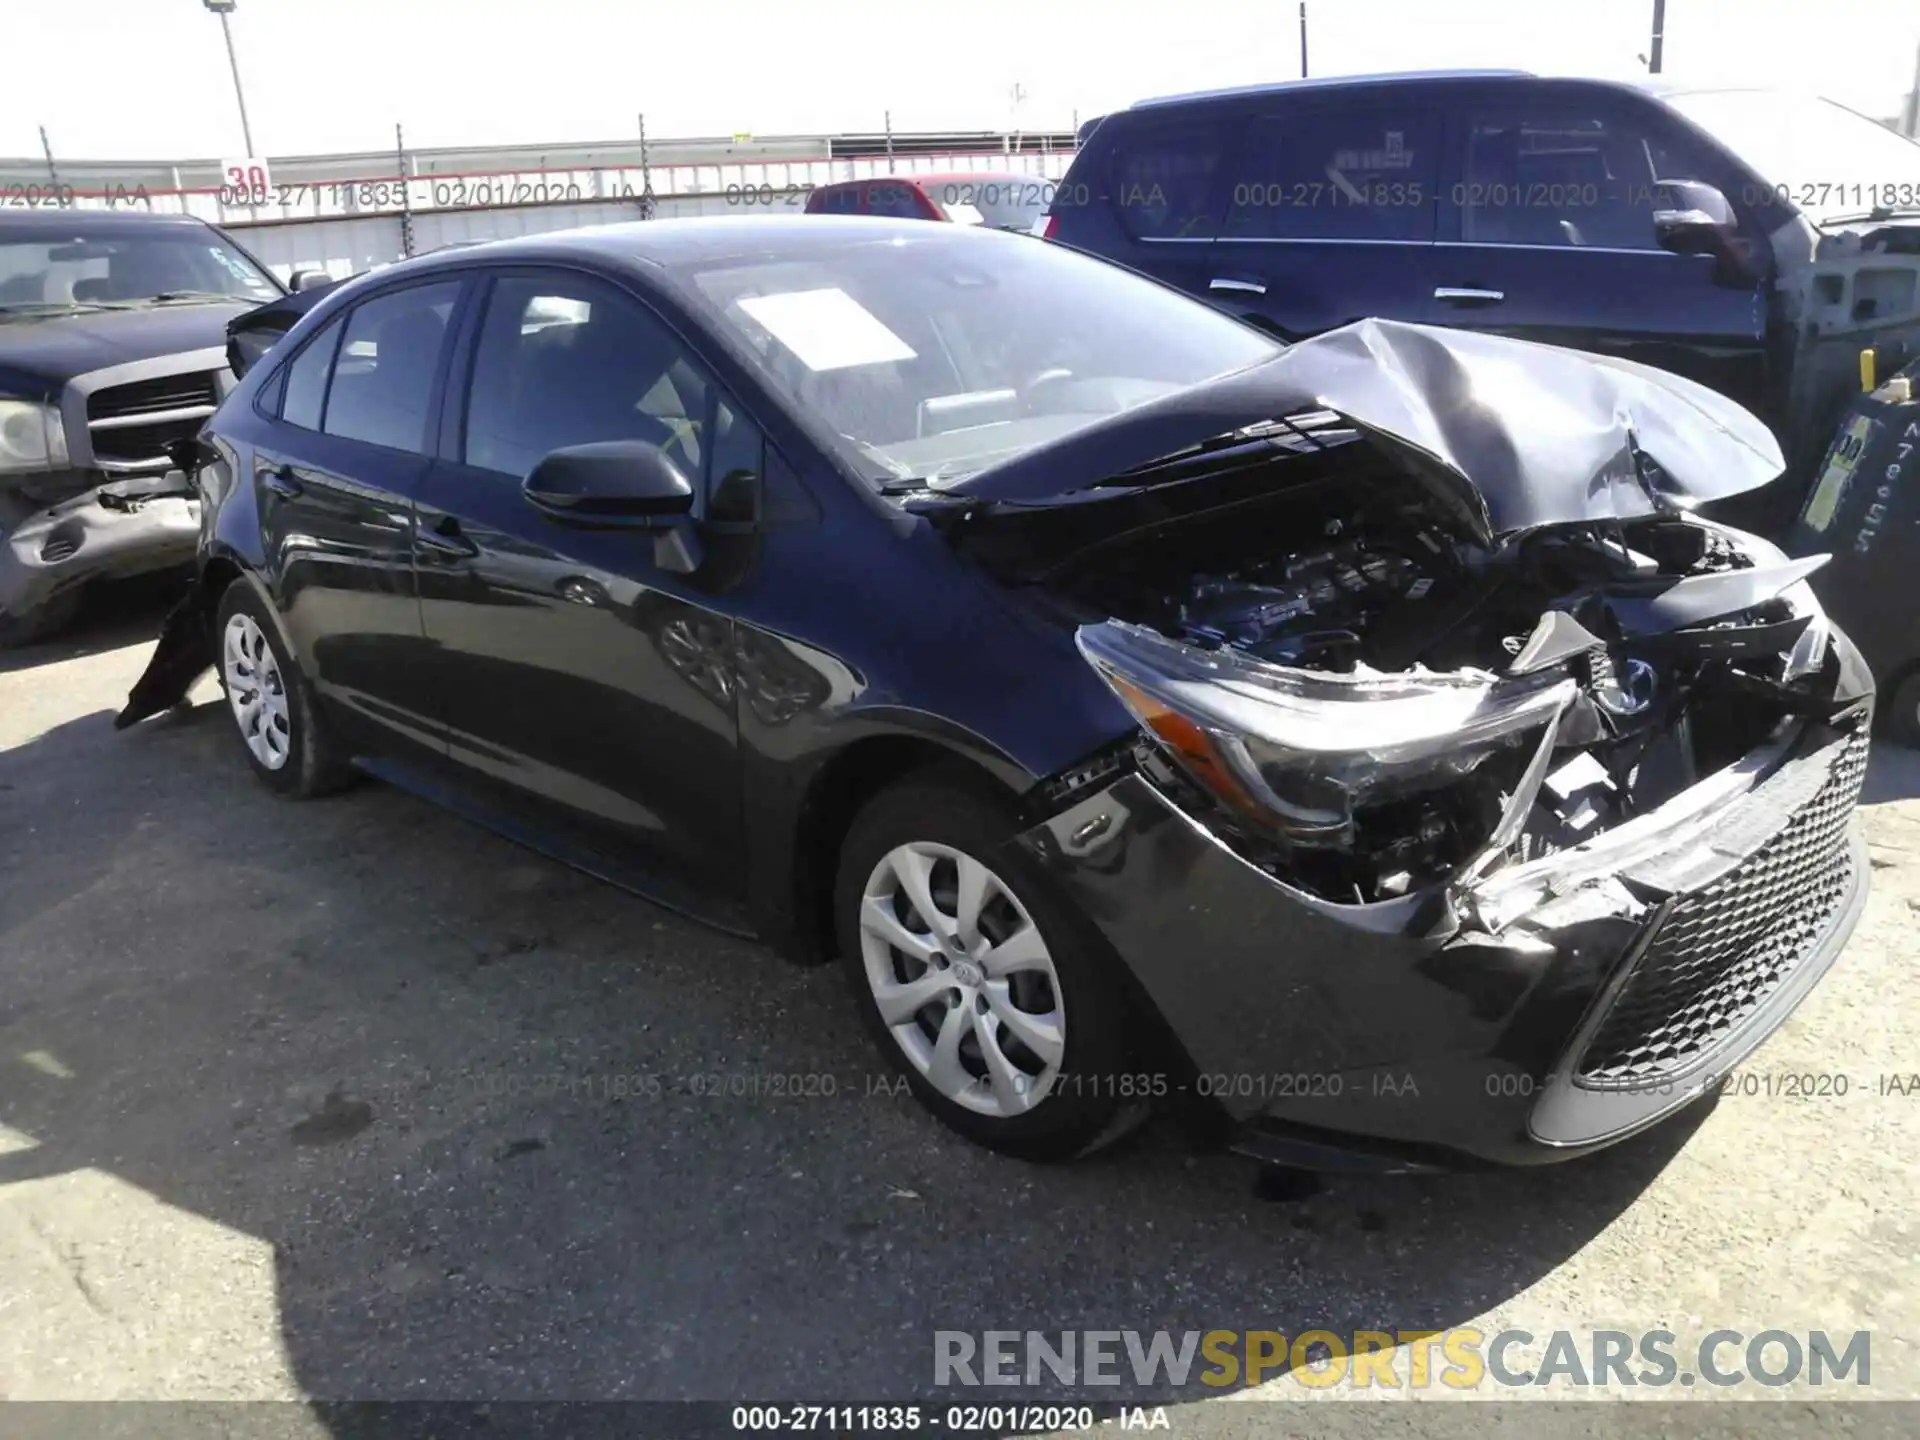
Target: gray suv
{"points": [[113, 330]]}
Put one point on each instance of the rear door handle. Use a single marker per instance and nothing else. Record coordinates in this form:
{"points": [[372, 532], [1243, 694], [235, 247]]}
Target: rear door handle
{"points": [[1461, 295], [1237, 287], [445, 537], [280, 480]]}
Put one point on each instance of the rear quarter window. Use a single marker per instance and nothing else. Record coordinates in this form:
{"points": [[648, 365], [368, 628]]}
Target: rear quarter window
{"points": [[1163, 179]]}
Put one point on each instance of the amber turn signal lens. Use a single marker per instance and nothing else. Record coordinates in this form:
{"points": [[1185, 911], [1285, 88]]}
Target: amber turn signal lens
{"points": [[1191, 745]]}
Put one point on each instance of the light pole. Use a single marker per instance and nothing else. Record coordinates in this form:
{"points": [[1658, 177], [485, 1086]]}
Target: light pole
{"points": [[224, 8], [1659, 36], [1303, 39], [1911, 115]]}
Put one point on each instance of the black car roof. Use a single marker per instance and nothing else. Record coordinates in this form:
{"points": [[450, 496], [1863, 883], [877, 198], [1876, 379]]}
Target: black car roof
{"points": [[1385, 80], [1328, 82], [701, 239]]}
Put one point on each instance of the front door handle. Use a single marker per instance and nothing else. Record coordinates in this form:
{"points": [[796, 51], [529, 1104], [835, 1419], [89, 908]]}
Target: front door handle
{"points": [[1465, 295], [445, 537], [280, 480], [1237, 287]]}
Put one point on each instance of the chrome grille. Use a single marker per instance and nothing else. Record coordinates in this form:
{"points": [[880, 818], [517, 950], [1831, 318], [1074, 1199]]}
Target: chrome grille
{"points": [[131, 424], [1724, 949]]}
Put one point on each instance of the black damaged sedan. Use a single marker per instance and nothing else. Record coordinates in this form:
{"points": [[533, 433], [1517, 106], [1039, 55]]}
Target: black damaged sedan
{"points": [[1370, 737]]}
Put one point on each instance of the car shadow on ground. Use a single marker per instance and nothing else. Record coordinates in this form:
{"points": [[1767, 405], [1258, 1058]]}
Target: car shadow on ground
{"points": [[110, 617], [510, 1133], [1894, 774]]}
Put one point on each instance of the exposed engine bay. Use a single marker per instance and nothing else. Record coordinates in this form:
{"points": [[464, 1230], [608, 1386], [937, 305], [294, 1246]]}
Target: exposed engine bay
{"points": [[1372, 699]]}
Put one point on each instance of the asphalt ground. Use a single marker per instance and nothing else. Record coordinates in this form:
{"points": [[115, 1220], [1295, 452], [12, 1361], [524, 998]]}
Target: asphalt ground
{"points": [[348, 1100]]}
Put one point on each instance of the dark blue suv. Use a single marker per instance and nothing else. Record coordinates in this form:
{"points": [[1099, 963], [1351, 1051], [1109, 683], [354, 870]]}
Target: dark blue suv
{"points": [[1752, 240]]}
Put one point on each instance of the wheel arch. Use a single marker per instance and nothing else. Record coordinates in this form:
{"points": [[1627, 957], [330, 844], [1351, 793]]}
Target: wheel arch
{"points": [[834, 795]]}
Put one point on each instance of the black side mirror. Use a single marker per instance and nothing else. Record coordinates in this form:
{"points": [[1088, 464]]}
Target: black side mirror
{"points": [[620, 485], [615, 484], [1692, 218], [308, 280]]}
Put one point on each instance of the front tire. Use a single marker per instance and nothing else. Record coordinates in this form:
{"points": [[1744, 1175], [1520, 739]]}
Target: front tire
{"points": [[285, 739], [981, 985]]}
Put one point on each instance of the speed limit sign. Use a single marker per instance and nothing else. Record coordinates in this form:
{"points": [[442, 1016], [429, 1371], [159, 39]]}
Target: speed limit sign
{"points": [[244, 182]]}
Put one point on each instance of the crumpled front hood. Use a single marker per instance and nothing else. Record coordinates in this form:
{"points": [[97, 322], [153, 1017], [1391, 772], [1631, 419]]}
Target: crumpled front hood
{"points": [[1514, 433]]}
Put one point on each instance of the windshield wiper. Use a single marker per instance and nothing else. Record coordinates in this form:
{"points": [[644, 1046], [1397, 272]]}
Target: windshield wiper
{"points": [[899, 470], [1299, 432], [55, 307], [168, 297]]}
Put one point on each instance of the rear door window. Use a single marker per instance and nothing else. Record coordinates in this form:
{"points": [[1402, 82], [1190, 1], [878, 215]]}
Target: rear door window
{"points": [[383, 378], [1165, 180], [1339, 174]]}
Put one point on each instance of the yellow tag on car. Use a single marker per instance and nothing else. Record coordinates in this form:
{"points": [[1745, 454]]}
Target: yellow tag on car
{"points": [[1842, 460]]}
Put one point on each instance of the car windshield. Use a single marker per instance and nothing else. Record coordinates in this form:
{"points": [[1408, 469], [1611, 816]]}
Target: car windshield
{"points": [[97, 267], [936, 355], [1824, 158]]}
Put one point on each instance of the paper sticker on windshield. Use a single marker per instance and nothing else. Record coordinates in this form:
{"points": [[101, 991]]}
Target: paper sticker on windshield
{"points": [[828, 329], [963, 214], [232, 264]]}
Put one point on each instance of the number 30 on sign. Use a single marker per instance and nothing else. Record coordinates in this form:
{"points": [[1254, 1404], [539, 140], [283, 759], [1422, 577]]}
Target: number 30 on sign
{"points": [[244, 182]]}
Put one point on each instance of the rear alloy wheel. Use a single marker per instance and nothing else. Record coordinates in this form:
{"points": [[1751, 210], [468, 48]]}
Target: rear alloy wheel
{"points": [[991, 996], [287, 743], [257, 691]]}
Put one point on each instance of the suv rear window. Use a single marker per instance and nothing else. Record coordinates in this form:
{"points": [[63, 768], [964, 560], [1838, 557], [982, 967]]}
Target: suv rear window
{"points": [[1335, 175], [1163, 180]]}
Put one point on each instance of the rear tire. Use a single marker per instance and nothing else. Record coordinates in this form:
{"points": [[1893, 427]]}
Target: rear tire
{"points": [[281, 730], [1002, 1010]]}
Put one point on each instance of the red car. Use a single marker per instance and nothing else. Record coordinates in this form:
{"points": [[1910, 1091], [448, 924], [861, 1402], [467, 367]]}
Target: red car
{"points": [[1003, 201]]}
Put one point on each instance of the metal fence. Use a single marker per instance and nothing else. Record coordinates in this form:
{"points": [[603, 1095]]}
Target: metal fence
{"points": [[352, 239], [318, 213]]}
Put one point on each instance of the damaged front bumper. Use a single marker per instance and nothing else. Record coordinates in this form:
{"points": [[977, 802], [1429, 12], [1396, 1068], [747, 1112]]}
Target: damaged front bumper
{"points": [[1532, 1014], [122, 528]]}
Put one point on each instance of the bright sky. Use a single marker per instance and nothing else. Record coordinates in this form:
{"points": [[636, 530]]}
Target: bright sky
{"points": [[148, 79]]}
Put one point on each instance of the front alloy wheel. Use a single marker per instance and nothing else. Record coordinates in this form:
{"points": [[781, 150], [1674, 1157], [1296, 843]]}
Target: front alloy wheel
{"points": [[962, 978], [996, 998], [257, 691]]}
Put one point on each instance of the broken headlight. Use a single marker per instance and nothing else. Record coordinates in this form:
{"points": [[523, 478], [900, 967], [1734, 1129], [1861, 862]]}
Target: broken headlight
{"points": [[1301, 752]]}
